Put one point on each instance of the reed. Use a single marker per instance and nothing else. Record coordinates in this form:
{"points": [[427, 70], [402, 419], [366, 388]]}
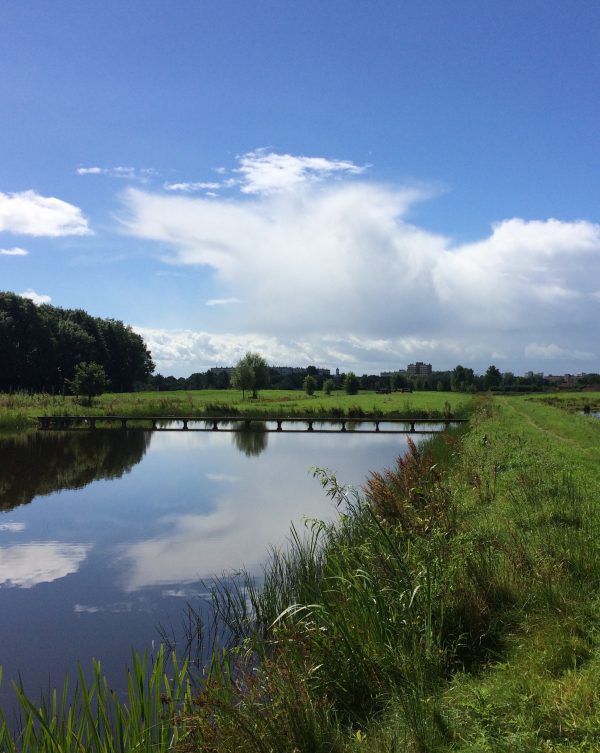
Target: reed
{"points": [[92, 718]]}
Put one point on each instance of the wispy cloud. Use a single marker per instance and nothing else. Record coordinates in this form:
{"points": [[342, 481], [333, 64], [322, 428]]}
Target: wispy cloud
{"points": [[222, 301], [142, 175], [13, 251], [29, 213], [192, 187], [266, 172], [37, 298]]}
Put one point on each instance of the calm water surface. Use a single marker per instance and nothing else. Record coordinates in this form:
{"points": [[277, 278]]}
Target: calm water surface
{"points": [[104, 535]]}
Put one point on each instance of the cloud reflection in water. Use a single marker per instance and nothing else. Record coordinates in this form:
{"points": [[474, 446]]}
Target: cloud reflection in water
{"points": [[28, 565], [237, 534]]}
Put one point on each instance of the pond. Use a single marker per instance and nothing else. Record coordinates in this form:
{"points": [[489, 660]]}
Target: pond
{"points": [[105, 535]]}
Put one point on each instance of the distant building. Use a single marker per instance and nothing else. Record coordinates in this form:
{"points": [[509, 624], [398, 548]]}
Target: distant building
{"points": [[288, 370], [419, 369], [216, 370]]}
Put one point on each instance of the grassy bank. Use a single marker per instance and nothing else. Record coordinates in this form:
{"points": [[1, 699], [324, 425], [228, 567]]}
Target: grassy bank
{"points": [[453, 606], [573, 401], [19, 411]]}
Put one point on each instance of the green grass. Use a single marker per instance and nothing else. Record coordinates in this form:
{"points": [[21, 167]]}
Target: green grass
{"points": [[19, 411], [573, 401], [150, 719], [453, 606]]}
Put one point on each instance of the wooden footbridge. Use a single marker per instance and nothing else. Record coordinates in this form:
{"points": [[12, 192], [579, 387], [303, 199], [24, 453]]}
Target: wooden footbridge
{"points": [[254, 423]]}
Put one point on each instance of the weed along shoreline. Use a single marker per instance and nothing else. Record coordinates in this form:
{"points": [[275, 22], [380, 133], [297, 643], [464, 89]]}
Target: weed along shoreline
{"points": [[452, 606]]}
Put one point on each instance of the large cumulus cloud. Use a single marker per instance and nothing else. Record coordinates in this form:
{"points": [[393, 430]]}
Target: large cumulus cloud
{"points": [[336, 269]]}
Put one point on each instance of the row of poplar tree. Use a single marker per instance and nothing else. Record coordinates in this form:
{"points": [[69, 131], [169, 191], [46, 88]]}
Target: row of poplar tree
{"points": [[40, 346]]}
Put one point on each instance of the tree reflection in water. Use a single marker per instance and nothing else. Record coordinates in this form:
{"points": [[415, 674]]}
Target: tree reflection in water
{"points": [[252, 441], [33, 464]]}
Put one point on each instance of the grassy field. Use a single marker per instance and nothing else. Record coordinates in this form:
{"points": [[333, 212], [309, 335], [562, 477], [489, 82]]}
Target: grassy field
{"points": [[453, 607], [19, 411], [575, 401]]}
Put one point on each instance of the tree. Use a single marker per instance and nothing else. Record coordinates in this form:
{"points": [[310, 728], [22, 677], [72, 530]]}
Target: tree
{"points": [[461, 378], [40, 346], [492, 377], [89, 379], [310, 384], [251, 373], [351, 383], [242, 377], [328, 386]]}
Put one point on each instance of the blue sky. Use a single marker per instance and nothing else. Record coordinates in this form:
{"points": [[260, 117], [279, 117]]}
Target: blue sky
{"points": [[352, 184]]}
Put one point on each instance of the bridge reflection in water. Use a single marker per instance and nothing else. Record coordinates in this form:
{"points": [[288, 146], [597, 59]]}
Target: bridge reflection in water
{"points": [[255, 423]]}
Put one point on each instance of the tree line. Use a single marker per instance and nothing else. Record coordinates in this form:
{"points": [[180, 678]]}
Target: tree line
{"points": [[459, 379], [41, 346]]}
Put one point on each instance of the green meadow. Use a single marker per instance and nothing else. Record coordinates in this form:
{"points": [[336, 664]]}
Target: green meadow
{"points": [[19, 411], [452, 606]]}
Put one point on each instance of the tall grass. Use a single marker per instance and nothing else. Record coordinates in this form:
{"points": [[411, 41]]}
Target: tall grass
{"points": [[347, 621], [93, 719]]}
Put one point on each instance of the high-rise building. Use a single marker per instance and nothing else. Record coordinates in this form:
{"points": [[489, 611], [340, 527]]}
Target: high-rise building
{"points": [[419, 369]]}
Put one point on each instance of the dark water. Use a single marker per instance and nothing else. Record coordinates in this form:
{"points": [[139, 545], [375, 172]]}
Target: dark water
{"points": [[104, 535]]}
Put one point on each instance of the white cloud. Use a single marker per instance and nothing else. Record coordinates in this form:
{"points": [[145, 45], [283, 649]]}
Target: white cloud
{"points": [[188, 351], [91, 170], [29, 213], [28, 565], [120, 171], [13, 251], [197, 350], [222, 301], [267, 172], [191, 187], [37, 298], [335, 273]]}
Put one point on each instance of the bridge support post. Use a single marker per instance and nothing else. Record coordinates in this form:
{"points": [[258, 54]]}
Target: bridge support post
{"points": [[123, 423], [279, 425], [185, 424], [310, 426], [343, 426], [92, 423], [412, 427], [215, 425], [376, 425]]}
